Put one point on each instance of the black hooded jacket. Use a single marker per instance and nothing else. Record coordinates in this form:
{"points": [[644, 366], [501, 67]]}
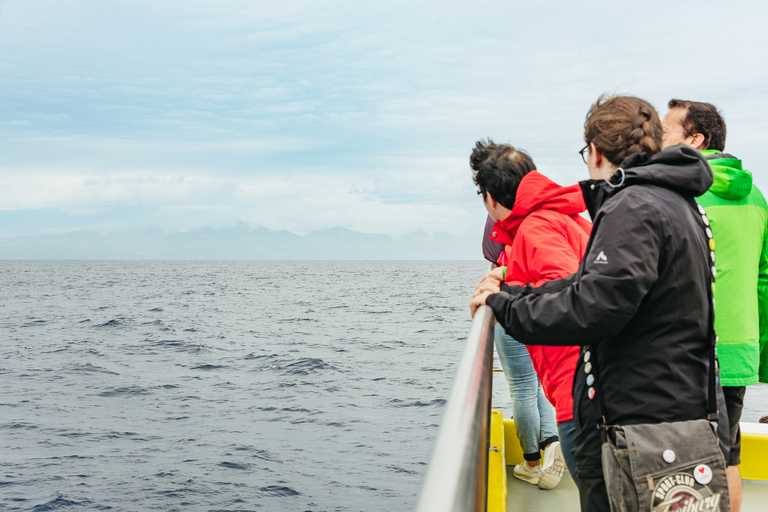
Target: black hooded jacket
{"points": [[639, 300]]}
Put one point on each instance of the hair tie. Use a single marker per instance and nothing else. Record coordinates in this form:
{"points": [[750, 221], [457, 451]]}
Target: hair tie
{"points": [[608, 179]]}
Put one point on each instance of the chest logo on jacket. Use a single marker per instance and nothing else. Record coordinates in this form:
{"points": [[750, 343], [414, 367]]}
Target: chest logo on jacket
{"points": [[601, 258]]}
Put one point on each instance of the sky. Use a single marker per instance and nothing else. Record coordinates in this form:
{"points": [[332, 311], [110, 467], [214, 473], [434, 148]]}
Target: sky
{"points": [[305, 115]]}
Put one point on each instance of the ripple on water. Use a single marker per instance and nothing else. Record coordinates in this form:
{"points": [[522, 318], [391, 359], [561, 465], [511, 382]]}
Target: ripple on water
{"points": [[125, 392], [279, 490], [110, 323], [305, 366], [438, 402], [89, 368], [60, 502], [20, 425], [209, 367], [242, 466]]}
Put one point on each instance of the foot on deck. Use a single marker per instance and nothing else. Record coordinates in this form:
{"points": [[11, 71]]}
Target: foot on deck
{"points": [[527, 473], [554, 463]]}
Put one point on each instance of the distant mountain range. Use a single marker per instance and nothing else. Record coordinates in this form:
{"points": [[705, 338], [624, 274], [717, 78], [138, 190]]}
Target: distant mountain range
{"points": [[239, 243]]}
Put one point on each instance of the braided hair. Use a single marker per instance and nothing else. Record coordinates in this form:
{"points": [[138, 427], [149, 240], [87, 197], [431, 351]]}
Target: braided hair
{"points": [[620, 126]]}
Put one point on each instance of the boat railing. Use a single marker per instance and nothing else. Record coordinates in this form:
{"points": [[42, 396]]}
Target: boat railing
{"points": [[457, 474]]}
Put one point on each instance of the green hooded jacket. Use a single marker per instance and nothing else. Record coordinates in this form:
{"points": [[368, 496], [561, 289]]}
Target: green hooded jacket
{"points": [[738, 214]]}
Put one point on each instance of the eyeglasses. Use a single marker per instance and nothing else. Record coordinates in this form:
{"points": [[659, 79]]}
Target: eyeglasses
{"points": [[583, 150]]}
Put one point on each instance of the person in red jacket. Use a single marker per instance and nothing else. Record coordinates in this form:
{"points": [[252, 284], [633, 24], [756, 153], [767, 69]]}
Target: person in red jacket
{"points": [[545, 238]]}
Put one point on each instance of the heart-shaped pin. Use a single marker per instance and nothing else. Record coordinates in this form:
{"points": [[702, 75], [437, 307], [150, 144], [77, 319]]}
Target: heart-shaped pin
{"points": [[703, 474]]}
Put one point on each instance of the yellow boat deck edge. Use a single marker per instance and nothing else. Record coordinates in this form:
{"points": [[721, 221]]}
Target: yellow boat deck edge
{"points": [[497, 470], [754, 449]]}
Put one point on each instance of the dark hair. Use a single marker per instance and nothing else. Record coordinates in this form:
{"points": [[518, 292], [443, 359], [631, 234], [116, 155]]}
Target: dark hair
{"points": [[620, 126], [703, 118], [499, 169]]}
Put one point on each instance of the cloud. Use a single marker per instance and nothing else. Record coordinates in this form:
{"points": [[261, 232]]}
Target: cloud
{"points": [[304, 115], [301, 203]]}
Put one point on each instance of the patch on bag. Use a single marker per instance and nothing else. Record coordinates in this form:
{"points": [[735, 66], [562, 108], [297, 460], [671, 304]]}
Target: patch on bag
{"points": [[681, 492]]}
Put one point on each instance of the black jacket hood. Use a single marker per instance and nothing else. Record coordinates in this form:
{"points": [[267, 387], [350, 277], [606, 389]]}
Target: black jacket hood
{"points": [[680, 168]]}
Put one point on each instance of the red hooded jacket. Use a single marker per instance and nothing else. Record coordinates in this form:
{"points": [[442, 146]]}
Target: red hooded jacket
{"points": [[545, 239]]}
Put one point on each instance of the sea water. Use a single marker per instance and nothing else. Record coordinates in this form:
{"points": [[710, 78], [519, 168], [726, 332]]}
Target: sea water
{"points": [[213, 386]]}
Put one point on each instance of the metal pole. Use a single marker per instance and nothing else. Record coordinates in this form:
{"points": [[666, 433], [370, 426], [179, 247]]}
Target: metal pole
{"points": [[457, 475]]}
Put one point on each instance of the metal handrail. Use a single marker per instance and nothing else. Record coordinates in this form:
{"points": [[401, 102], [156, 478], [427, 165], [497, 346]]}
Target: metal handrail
{"points": [[457, 475]]}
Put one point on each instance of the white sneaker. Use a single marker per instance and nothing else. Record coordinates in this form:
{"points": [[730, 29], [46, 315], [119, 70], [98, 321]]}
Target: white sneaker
{"points": [[552, 469], [527, 473]]}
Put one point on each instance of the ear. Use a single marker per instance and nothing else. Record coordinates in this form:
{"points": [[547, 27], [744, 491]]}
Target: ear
{"points": [[491, 201], [598, 155], [697, 141]]}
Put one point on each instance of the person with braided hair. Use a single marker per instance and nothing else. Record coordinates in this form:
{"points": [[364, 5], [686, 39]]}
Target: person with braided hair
{"points": [[638, 304]]}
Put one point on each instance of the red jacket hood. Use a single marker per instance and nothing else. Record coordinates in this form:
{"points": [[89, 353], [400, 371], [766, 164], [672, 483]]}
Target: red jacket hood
{"points": [[537, 192]]}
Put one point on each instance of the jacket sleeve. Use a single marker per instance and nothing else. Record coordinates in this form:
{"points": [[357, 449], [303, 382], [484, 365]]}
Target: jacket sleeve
{"points": [[546, 249], [549, 286], [618, 270], [762, 304]]}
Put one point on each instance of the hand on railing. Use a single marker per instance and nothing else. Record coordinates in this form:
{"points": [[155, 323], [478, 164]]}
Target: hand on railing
{"points": [[486, 287], [497, 274]]}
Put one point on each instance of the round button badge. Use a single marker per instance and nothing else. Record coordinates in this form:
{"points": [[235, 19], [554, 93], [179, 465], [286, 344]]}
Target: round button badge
{"points": [[587, 356], [703, 474], [588, 368], [590, 379], [669, 456], [591, 393]]}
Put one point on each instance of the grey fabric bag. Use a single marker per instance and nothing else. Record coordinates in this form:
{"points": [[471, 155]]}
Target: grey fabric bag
{"points": [[665, 467]]}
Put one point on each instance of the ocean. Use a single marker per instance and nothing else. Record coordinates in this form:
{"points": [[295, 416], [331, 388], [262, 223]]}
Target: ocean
{"points": [[229, 386]]}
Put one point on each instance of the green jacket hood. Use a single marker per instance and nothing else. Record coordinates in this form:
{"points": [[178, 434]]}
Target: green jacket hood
{"points": [[731, 181]]}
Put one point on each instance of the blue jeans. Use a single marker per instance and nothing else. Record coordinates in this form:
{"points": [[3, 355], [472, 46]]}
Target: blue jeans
{"points": [[534, 415], [567, 431]]}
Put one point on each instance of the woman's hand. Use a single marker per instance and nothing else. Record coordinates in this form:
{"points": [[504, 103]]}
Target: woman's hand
{"points": [[483, 290], [477, 301], [498, 274]]}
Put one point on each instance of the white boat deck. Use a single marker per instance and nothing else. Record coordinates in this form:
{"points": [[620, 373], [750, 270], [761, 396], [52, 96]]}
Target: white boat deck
{"points": [[524, 497]]}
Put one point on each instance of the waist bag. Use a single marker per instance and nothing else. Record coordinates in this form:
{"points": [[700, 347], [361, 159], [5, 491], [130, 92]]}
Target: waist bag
{"points": [[666, 467]]}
